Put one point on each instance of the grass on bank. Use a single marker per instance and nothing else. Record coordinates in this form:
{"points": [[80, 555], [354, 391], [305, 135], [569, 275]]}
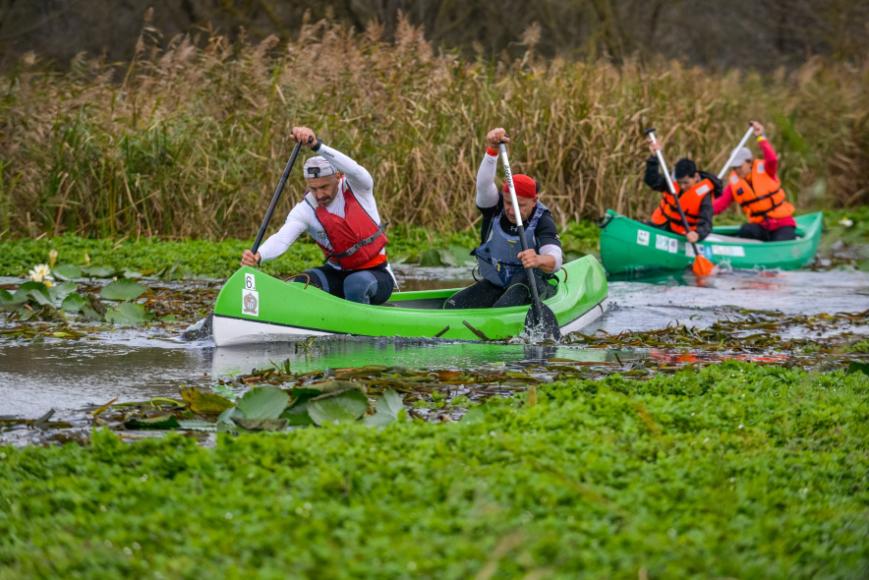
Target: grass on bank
{"points": [[219, 259], [734, 470], [189, 138]]}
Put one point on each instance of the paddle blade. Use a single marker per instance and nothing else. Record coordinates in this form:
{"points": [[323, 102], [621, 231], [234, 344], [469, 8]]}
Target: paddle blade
{"points": [[545, 326], [702, 266]]}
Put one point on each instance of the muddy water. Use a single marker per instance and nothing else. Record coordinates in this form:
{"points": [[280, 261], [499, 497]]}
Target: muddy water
{"points": [[74, 376]]}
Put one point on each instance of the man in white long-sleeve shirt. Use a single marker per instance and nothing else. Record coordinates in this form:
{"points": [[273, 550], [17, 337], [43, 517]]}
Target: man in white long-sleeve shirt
{"points": [[340, 213], [500, 259]]}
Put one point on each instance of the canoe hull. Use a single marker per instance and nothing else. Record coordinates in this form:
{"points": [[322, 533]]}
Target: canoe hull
{"points": [[254, 307], [631, 247]]}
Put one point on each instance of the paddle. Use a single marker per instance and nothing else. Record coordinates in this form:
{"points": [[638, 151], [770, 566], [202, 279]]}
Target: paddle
{"points": [[733, 153], [275, 197], [539, 315], [702, 266]]}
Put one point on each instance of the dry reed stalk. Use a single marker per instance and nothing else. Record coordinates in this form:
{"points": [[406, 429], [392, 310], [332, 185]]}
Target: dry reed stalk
{"points": [[192, 140]]}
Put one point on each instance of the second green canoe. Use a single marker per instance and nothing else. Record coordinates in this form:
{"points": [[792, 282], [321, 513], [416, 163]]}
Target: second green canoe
{"points": [[631, 247]]}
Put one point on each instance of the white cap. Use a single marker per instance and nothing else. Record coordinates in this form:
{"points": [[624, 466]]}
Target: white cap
{"points": [[743, 155], [318, 166]]}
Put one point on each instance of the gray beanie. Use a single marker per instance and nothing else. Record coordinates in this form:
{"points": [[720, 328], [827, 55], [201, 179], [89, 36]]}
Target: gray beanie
{"points": [[743, 155], [318, 166]]}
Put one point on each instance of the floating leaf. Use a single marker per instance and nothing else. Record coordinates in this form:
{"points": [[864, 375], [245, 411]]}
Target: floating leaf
{"points": [[343, 407], [66, 272], [297, 415], [204, 403], [387, 409], [98, 271], [158, 422], [74, 303], [197, 425], [123, 290], [5, 297], [332, 387], [127, 313], [278, 424], [262, 403], [431, 257], [59, 293], [132, 274]]}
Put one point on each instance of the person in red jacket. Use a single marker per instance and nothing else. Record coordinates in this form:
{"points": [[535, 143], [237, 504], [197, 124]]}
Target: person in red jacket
{"points": [[340, 213], [755, 186]]}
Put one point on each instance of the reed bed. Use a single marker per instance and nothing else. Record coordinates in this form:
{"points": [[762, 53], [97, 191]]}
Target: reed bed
{"points": [[189, 138]]}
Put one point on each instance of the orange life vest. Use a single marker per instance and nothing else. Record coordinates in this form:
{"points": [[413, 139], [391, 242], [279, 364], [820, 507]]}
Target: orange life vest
{"points": [[356, 238], [667, 211], [763, 199]]}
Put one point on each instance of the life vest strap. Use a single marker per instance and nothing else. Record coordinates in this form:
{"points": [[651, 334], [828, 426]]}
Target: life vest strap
{"points": [[357, 246]]}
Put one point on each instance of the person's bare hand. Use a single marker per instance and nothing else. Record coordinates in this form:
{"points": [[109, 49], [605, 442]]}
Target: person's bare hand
{"points": [[693, 237], [304, 136], [248, 258], [654, 146], [496, 136], [530, 258], [758, 128]]}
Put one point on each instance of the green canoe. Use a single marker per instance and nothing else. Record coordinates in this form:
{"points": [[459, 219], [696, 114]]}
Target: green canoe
{"points": [[631, 247], [255, 307]]}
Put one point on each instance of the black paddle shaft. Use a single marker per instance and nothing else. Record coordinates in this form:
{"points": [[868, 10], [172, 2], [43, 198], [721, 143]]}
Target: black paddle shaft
{"points": [[275, 197]]}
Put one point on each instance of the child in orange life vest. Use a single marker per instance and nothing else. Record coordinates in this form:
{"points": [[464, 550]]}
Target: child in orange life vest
{"points": [[755, 186], [693, 188]]}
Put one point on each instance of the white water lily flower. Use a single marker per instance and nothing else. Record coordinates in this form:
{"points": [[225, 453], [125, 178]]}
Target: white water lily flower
{"points": [[846, 222], [41, 273]]}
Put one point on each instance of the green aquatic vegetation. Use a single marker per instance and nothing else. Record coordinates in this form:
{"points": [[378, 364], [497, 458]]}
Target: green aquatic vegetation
{"points": [[734, 470], [261, 408], [176, 260], [45, 300], [846, 238]]}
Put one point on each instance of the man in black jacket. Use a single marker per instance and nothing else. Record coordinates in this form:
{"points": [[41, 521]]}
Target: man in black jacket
{"points": [[693, 187]]}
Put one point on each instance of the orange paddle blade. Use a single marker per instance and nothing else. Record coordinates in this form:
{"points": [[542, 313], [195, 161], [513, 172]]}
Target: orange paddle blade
{"points": [[702, 266]]}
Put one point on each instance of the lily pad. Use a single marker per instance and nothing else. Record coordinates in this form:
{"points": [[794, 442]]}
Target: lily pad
{"points": [[127, 314], [261, 403], [344, 407], [387, 409], [60, 292], [197, 425], [298, 416], [66, 272], [204, 403], [159, 422], [278, 424], [98, 271], [123, 290]]}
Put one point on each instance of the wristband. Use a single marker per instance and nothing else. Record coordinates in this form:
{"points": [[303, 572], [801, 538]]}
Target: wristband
{"points": [[761, 138], [492, 152]]}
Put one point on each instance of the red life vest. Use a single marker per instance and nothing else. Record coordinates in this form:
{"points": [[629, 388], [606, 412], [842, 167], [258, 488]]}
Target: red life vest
{"points": [[356, 239], [667, 211], [763, 199]]}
